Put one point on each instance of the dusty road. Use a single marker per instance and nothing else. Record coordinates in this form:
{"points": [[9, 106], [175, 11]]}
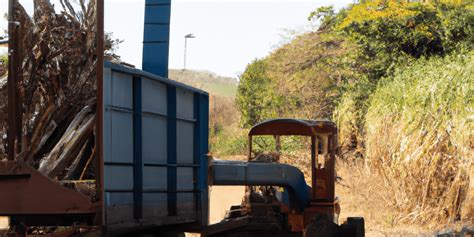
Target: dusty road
{"points": [[222, 197], [3, 223]]}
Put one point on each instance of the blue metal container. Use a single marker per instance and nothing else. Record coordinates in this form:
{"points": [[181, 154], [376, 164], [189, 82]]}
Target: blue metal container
{"points": [[155, 150], [155, 138]]}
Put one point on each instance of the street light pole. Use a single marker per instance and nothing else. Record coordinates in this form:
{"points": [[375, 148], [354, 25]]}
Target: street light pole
{"points": [[186, 37]]}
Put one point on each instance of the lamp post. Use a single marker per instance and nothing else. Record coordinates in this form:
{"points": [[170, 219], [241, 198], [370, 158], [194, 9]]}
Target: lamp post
{"points": [[186, 37]]}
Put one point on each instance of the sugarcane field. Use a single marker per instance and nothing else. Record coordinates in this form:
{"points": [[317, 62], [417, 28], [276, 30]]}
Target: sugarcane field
{"points": [[232, 118]]}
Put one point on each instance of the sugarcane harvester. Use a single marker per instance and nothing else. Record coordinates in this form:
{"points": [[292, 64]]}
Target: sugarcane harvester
{"points": [[278, 202]]}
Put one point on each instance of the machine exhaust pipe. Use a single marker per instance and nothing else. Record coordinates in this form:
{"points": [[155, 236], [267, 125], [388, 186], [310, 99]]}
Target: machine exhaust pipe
{"points": [[226, 173]]}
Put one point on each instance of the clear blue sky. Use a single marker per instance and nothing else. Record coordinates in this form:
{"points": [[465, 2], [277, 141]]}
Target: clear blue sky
{"points": [[229, 33]]}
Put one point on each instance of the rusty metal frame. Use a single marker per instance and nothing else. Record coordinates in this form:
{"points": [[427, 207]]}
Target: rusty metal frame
{"points": [[290, 127], [23, 190], [309, 128], [100, 110], [12, 81]]}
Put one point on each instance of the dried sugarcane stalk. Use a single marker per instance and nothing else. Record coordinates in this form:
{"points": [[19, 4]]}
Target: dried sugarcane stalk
{"points": [[57, 84], [70, 144], [78, 167], [86, 167]]}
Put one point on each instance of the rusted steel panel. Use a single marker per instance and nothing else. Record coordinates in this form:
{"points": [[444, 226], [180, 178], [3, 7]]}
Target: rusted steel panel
{"points": [[12, 81], [298, 127], [296, 222], [23, 190], [328, 208], [100, 219]]}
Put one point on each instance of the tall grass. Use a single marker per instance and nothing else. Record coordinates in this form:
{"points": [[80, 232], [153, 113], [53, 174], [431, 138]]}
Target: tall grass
{"points": [[419, 137], [349, 116]]}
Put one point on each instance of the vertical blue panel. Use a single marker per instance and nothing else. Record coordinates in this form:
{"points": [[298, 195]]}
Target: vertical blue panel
{"points": [[157, 13], [155, 58], [196, 152], [202, 137], [156, 37], [172, 154], [137, 148]]}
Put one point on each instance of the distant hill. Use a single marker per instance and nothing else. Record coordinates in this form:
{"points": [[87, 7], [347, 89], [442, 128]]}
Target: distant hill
{"points": [[208, 81]]}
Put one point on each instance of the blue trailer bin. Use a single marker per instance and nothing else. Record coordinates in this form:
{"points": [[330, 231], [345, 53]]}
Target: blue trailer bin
{"points": [[155, 151]]}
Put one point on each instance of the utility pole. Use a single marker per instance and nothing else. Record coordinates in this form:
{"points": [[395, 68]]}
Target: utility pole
{"points": [[186, 37]]}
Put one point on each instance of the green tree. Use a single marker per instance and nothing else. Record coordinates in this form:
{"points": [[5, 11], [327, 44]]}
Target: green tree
{"points": [[253, 98], [390, 32], [327, 17]]}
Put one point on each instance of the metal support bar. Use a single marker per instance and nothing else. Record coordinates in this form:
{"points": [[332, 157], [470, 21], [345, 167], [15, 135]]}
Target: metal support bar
{"points": [[100, 111], [196, 151], [137, 148], [249, 148], [12, 81], [172, 151], [203, 157]]}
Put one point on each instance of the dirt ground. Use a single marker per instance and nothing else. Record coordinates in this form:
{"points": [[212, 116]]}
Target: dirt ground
{"points": [[221, 198], [3, 223]]}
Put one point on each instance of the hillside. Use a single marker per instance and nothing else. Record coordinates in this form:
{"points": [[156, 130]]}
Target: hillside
{"points": [[208, 81], [223, 114]]}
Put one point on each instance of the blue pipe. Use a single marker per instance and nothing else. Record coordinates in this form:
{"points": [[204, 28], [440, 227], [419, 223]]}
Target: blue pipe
{"points": [[263, 174]]}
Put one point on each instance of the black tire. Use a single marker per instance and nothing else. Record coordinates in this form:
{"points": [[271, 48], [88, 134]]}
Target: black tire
{"points": [[358, 226], [321, 226]]}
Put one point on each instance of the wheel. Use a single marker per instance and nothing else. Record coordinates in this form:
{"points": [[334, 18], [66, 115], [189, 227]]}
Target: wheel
{"points": [[321, 226], [354, 227]]}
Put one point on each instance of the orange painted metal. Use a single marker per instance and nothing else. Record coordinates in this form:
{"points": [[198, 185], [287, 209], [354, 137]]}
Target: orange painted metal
{"points": [[321, 187], [25, 191], [293, 127], [328, 208], [296, 222]]}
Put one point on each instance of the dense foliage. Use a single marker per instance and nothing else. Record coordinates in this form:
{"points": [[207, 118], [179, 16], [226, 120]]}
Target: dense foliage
{"points": [[254, 100], [352, 70], [388, 33], [337, 66]]}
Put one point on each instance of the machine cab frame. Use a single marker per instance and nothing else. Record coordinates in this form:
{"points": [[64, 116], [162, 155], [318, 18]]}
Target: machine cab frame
{"points": [[324, 144]]}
